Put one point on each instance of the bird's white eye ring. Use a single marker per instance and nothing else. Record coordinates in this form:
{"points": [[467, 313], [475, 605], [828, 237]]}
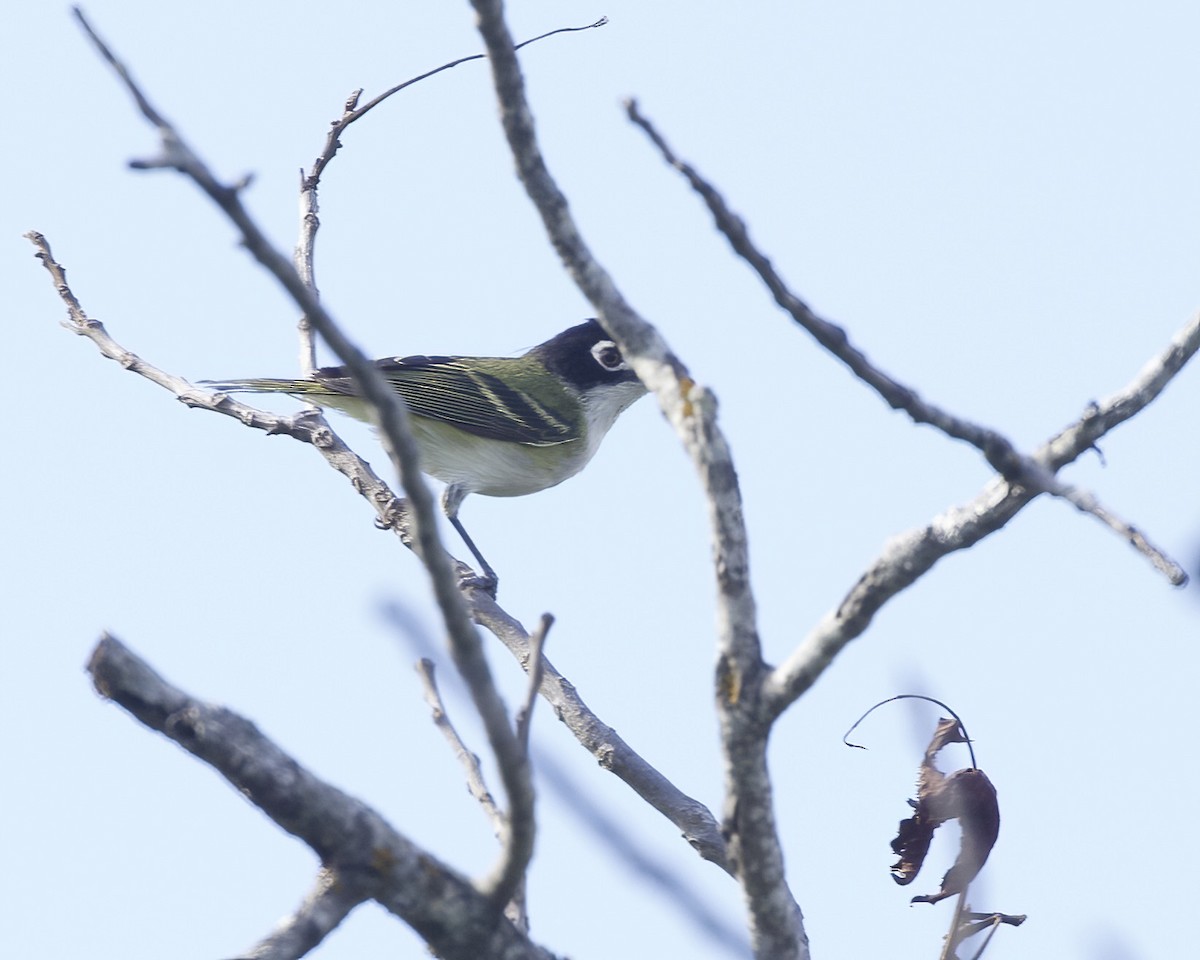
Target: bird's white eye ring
{"points": [[608, 356]]}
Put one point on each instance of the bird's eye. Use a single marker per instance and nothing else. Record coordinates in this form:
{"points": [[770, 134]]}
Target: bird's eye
{"points": [[608, 356]]}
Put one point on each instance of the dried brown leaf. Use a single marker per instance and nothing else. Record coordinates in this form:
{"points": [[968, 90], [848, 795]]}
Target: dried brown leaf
{"points": [[967, 796]]}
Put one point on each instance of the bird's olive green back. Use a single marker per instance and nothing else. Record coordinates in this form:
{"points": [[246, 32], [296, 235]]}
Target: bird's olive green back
{"points": [[499, 398]]}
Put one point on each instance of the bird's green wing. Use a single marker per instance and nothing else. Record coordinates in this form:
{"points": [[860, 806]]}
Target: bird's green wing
{"points": [[465, 392]]}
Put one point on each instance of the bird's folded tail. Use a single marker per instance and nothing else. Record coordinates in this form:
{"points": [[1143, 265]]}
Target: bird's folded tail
{"points": [[294, 387]]}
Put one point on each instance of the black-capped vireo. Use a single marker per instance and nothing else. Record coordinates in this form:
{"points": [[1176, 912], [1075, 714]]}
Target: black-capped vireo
{"points": [[500, 426]]}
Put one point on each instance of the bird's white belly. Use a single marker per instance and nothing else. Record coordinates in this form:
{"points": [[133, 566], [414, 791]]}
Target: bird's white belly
{"points": [[492, 467]]}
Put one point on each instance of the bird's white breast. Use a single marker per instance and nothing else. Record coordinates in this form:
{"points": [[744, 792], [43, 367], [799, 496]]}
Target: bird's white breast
{"points": [[496, 468]]}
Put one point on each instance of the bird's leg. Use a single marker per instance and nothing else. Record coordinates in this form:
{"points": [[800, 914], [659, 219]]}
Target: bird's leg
{"points": [[489, 575], [452, 498]]}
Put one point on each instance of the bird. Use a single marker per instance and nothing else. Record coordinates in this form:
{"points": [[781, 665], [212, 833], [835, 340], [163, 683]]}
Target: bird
{"points": [[496, 426]]}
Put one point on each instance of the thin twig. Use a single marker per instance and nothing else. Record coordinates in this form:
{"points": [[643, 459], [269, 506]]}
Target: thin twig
{"points": [[507, 880], [515, 908], [950, 944], [991, 922], [913, 696], [996, 449], [1086, 502], [351, 112], [536, 669], [468, 760], [355, 112], [993, 925]]}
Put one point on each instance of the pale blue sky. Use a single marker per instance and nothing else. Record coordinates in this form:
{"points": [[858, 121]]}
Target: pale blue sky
{"points": [[1001, 206]]}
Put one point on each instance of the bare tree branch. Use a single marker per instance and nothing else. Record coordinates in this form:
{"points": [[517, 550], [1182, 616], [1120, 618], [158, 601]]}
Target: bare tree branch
{"points": [[309, 427], [536, 667], [906, 557], [323, 909], [950, 942], [997, 449], [698, 826], [393, 416], [506, 882], [365, 852], [515, 909], [777, 928], [693, 819], [353, 111], [177, 155], [467, 759], [393, 424]]}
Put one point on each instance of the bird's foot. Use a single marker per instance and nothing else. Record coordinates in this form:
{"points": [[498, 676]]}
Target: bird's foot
{"points": [[468, 579]]}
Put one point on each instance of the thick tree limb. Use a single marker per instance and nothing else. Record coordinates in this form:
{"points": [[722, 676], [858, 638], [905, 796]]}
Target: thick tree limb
{"points": [[777, 929], [1014, 466], [363, 850]]}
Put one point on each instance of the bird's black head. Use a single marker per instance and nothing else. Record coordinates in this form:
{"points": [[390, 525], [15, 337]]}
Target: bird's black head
{"points": [[585, 357]]}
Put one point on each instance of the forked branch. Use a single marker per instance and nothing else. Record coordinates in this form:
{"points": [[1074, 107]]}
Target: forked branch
{"points": [[1015, 467], [906, 557]]}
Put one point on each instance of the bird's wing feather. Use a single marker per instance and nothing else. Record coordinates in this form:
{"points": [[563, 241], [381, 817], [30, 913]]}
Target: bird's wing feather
{"points": [[467, 397]]}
